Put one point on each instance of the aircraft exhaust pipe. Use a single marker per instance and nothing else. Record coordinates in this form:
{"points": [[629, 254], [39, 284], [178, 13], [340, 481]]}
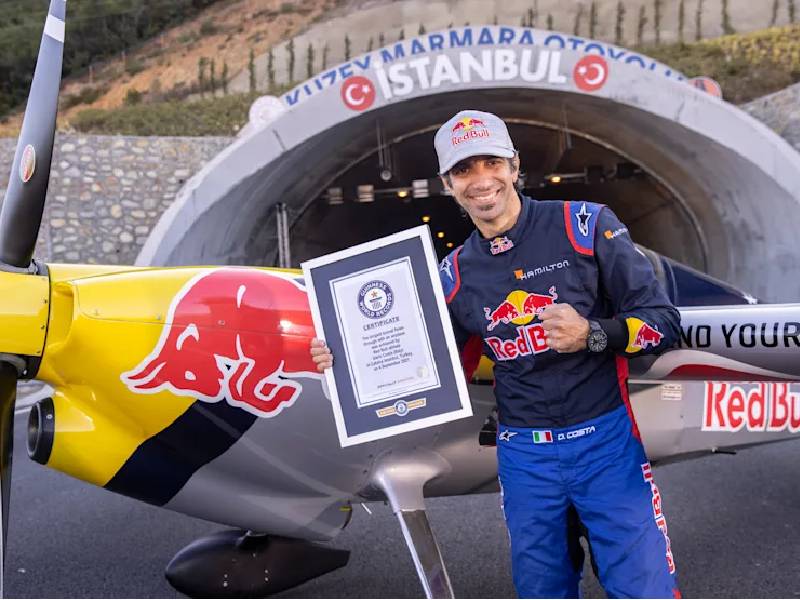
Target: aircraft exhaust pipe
{"points": [[41, 430], [239, 564]]}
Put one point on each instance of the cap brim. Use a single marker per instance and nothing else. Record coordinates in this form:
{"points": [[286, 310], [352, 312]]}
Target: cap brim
{"points": [[469, 152]]}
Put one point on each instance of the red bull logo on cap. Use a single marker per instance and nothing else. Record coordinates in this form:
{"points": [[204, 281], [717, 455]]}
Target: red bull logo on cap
{"points": [[469, 128], [641, 335], [241, 335]]}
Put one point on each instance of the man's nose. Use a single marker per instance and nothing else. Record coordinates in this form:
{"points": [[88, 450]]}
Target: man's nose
{"points": [[482, 178]]}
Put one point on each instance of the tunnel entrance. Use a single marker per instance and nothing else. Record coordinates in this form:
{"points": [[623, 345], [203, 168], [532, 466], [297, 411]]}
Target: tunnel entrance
{"points": [[396, 187], [693, 177]]}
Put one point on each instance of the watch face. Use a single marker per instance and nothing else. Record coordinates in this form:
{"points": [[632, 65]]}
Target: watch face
{"points": [[597, 341]]}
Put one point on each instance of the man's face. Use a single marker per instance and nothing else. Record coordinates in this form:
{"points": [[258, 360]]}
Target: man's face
{"points": [[484, 186]]}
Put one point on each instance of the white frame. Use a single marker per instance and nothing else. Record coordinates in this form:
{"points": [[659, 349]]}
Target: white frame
{"points": [[421, 232]]}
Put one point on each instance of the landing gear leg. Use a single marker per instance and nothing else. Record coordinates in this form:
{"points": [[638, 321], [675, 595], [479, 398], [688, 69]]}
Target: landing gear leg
{"points": [[402, 479]]}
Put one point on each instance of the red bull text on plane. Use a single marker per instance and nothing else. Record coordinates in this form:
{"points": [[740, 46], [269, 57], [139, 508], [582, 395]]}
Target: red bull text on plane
{"points": [[763, 407], [224, 339]]}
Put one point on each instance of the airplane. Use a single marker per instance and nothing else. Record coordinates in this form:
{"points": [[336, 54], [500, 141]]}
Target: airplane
{"points": [[192, 388]]}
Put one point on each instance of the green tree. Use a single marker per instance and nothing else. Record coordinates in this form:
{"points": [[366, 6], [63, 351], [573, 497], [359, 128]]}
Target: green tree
{"points": [[681, 20], [727, 28], [593, 19], [640, 25], [698, 21], [212, 78], [225, 78], [270, 70], [201, 75], [251, 69], [619, 24], [657, 20], [529, 18], [290, 60], [310, 61], [774, 18], [576, 25]]}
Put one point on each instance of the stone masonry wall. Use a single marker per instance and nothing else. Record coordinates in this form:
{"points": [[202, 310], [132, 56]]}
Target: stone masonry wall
{"points": [[107, 192]]}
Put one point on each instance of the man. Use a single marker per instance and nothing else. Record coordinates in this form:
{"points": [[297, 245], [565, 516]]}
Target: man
{"points": [[556, 294]]}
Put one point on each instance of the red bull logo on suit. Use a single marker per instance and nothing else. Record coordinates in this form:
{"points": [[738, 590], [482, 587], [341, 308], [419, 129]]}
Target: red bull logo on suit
{"points": [[641, 335], [519, 308], [241, 335]]}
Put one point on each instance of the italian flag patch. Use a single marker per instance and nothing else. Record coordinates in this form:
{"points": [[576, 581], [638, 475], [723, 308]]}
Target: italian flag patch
{"points": [[543, 437]]}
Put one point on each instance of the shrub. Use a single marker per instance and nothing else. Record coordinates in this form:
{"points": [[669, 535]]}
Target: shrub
{"points": [[134, 66], [132, 97], [86, 96], [208, 27]]}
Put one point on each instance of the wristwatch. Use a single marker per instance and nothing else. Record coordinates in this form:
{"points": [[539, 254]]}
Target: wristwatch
{"points": [[597, 340]]}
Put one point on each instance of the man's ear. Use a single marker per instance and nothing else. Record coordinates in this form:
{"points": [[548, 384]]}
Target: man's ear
{"points": [[446, 183], [515, 168]]}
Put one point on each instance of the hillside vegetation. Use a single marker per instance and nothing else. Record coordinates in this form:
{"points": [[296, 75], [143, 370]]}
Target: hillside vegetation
{"points": [[747, 66], [97, 29]]}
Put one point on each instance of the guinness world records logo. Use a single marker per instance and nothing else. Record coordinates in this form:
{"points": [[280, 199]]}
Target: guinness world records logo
{"points": [[375, 299]]}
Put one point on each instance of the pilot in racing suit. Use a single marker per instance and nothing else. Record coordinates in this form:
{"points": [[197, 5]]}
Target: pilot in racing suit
{"points": [[566, 435]]}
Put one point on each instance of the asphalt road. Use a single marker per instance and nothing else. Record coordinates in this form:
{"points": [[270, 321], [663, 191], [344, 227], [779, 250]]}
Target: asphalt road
{"points": [[734, 522]]}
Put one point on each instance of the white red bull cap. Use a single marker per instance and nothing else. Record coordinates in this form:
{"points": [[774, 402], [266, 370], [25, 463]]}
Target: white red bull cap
{"points": [[471, 133]]}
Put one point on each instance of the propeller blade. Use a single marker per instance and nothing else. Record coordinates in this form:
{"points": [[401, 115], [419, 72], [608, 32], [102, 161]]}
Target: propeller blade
{"points": [[21, 214], [8, 396]]}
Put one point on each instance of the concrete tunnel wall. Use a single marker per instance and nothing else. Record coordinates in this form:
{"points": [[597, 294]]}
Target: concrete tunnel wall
{"points": [[736, 183]]}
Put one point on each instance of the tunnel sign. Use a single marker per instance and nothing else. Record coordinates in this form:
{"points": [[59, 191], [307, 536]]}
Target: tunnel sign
{"points": [[492, 66], [518, 55]]}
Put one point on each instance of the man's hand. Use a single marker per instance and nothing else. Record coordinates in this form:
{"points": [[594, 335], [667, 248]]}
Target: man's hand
{"points": [[564, 328], [321, 355]]}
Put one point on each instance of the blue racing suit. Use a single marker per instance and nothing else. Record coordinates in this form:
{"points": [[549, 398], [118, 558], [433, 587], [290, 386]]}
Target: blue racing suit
{"points": [[566, 435]]}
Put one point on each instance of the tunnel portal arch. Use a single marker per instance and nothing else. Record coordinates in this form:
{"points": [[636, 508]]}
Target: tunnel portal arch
{"points": [[722, 189]]}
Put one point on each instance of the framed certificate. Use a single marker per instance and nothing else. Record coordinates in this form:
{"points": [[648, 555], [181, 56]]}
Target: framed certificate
{"points": [[380, 308]]}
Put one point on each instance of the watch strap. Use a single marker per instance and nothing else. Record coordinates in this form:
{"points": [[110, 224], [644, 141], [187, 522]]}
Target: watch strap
{"points": [[616, 331]]}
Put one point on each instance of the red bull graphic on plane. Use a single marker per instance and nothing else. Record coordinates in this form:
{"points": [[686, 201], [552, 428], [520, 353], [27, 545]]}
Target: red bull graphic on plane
{"points": [[223, 340], [763, 407]]}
